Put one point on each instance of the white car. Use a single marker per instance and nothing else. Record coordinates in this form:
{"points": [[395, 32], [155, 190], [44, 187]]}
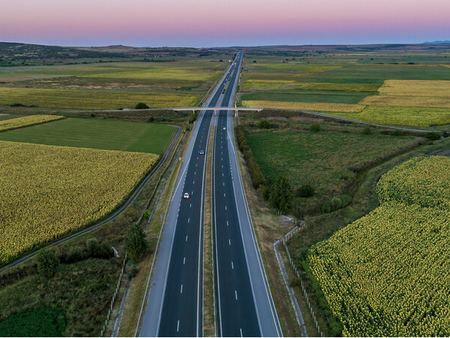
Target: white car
{"points": [[186, 195], [224, 128]]}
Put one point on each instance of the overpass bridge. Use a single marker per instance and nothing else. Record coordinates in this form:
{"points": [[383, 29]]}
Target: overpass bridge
{"points": [[216, 109]]}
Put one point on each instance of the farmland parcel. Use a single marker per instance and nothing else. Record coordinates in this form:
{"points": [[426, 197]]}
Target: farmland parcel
{"points": [[27, 121], [387, 274], [48, 191]]}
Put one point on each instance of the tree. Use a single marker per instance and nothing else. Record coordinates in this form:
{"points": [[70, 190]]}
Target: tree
{"points": [[93, 247], [135, 243], [47, 263], [281, 196], [141, 105]]}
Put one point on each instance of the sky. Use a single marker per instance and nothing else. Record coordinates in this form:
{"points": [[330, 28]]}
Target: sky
{"points": [[213, 23]]}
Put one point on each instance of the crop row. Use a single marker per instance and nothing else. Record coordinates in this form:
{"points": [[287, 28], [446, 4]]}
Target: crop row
{"points": [[48, 191], [27, 121]]}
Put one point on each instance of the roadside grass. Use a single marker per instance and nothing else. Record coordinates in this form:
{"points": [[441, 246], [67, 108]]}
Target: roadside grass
{"points": [[98, 134], [89, 99]]}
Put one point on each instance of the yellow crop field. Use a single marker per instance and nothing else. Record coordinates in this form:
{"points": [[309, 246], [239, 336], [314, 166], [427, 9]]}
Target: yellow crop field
{"points": [[422, 181], [412, 93], [270, 84], [415, 88], [408, 101], [388, 273], [351, 87], [322, 106], [48, 191], [89, 99], [27, 121], [408, 116]]}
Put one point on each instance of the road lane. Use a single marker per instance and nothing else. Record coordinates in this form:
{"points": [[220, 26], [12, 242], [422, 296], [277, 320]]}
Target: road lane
{"points": [[245, 305], [174, 307]]}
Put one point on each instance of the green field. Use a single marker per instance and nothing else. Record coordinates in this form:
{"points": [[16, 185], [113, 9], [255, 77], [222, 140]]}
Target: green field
{"points": [[296, 78], [73, 303], [326, 160], [112, 85], [38, 322], [91, 99], [4, 117], [99, 134], [309, 96]]}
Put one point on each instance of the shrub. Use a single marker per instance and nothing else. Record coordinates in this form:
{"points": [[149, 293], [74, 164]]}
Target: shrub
{"points": [[264, 124], [135, 243], [146, 214], [306, 190], [315, 127], [47, 263], [93, 247], [326, 207], [75, 254], [433, 136], [398, 132], [346, 200], [367, 131], [141, 105], [336, 203]]}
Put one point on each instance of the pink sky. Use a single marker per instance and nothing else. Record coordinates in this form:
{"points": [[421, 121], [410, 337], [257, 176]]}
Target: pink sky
{"points": [[208, 23]]}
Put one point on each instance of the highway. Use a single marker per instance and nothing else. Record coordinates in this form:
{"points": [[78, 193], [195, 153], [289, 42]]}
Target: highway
{"points": [[174, 306], [244, 303]]}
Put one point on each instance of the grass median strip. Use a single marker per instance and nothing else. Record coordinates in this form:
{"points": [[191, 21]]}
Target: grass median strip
{"points": [[208, 282]]}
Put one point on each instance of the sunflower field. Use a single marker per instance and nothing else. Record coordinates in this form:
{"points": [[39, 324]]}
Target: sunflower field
{"points": [[49, 191], [388, 273]]}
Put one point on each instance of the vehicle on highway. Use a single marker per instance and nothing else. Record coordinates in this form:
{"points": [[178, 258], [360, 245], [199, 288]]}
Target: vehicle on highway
{"points": [[201, 152], [186, 195], [224, 128]]}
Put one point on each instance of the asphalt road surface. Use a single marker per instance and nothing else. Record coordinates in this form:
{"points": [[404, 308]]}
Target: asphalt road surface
{"points": [[244, 302], [174, 306]]}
